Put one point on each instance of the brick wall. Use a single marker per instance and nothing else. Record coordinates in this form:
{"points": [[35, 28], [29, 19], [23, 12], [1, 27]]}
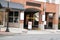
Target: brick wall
{"points": [[50, 7]]}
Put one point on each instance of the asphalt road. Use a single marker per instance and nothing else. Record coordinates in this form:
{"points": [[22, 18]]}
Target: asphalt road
{"points": [[31, 37]]}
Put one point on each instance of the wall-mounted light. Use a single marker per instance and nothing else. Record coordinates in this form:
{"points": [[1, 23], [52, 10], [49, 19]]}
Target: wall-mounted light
{"points": [[50, 15]]}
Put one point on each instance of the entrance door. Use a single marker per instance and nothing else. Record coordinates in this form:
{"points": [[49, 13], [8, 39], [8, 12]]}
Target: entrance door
{"points": [[49, 20], [1, 19], [50, 25], [13, 19], [27, 18], [31, 18]]}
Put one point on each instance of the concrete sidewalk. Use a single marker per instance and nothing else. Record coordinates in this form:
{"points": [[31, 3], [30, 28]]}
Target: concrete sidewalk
{"points": [[25, 31], [6, 33], [44, 32]]}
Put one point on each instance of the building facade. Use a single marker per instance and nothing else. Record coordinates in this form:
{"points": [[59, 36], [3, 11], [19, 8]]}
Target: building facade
{"points": [[31, 14]]}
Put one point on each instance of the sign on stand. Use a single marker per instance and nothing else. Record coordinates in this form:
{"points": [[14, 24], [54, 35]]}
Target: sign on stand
{"points": [[29, 25]]}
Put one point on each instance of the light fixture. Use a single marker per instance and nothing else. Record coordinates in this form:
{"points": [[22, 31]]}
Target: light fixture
{"points": [[50, 15]]}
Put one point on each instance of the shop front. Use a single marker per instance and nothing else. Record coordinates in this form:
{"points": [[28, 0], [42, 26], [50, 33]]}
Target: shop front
{"points": [[10, 14], [43, 19], [31, 18]]}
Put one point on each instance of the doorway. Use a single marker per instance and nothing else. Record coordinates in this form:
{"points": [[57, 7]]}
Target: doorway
{"points": [[49, 20], [31, 15]]}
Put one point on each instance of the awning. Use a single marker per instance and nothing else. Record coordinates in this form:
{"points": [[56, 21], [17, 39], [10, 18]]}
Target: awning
{"points": [[16, 5], [4, 4]]}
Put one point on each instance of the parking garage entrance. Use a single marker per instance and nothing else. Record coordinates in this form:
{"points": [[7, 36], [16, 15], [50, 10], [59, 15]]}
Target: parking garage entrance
{"points": [[31, 18]]}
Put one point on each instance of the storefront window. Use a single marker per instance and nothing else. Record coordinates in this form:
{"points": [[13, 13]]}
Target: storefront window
{"points": [[16, 14], [10, 19], [10, 13], [47, 0], [16, 19], [13, 16], [53, 1]]}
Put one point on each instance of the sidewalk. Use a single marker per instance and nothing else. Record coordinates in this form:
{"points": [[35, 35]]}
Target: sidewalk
{"points": [[5, 33], [14, 31], [44, 32]]}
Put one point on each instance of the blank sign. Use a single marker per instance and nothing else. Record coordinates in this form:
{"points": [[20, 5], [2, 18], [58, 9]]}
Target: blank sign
{"points": [[22, 16], [29, 25]]}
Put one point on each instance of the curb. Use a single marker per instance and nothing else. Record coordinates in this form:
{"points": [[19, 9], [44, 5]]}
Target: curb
{"points": [[6, 33]]}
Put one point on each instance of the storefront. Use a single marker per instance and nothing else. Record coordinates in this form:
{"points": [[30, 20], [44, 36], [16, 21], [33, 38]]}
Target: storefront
{"points": [[41, 18], [29, 15], [10, 11]]}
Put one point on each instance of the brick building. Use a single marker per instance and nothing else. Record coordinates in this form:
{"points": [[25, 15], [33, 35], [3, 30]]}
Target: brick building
{"points": [[42, 15]]}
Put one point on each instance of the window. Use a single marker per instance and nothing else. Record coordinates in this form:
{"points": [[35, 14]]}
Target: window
{"points": [[47, 0], [53, 1], [11, 13], [16, 14], [33, 4], [13, 16], [10, 19]]}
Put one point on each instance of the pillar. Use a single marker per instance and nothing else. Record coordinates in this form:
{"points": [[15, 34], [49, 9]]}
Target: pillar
{"points": [[55, 19], [41, 25], [55, 22], [22, 19]]}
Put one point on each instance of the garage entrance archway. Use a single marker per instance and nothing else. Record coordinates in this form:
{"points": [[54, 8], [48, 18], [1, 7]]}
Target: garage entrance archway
{"points": [[31, 15]]}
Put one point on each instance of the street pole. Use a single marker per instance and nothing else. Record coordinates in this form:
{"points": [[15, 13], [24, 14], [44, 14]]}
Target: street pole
{"points": [[7, 29], [44, 22]]}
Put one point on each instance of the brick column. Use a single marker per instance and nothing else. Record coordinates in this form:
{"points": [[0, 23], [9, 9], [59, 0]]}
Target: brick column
{"points": [[39, 21], [22, 19], [41, 25], [22, 24], [55, 19]]}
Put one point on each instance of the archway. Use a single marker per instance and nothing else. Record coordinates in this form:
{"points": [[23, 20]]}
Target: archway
{"points": [[31, 15]]}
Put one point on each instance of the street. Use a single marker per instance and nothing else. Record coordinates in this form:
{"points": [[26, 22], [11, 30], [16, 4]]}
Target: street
{"points": [[31, 37]]}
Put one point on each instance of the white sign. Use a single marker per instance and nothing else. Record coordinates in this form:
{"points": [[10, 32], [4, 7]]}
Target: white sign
{"points": [[43, 17], [44, 22], [37, 16], [22, 16], [29, 25], [40, 0]]}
